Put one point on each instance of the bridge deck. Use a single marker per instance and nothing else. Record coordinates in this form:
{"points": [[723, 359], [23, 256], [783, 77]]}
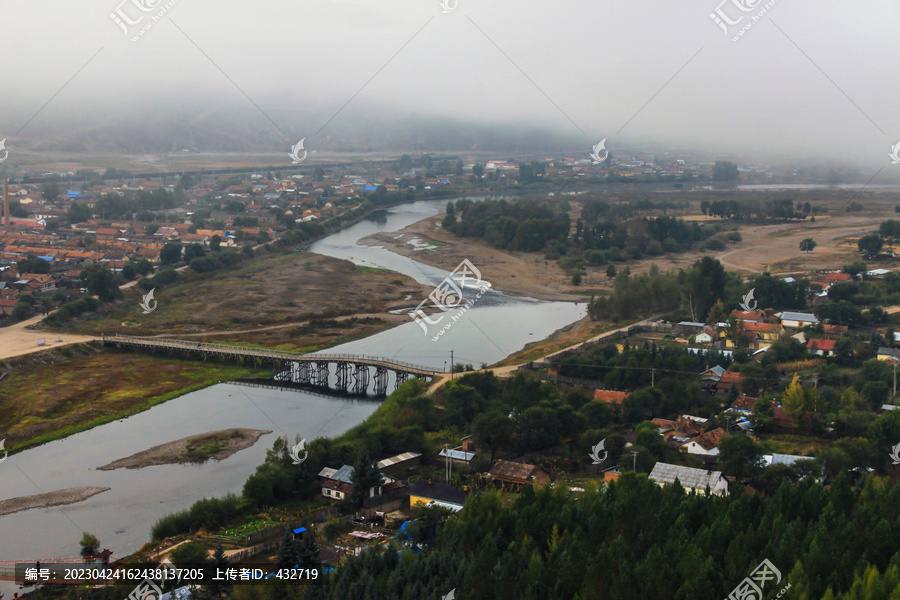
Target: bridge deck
{"points": [[213, 348]]}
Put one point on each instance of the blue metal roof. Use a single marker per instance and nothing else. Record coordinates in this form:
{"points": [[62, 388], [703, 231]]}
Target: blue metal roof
{"points": [[299, 530], [73, 194], [344, 474]]}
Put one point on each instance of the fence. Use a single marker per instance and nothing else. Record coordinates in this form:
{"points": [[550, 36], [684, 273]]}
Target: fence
{"points": [[276, 531], [239, 556]]}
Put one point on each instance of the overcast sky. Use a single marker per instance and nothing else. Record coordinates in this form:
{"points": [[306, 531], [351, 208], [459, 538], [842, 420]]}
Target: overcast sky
{"points": [[576, 67]]}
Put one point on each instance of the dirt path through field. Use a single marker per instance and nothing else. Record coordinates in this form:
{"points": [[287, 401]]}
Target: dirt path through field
{"points": [[17, 340]]}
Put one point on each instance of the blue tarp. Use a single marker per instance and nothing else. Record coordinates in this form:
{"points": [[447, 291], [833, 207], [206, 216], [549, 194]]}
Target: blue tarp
{"points": [[73, 194], [299, 530]]}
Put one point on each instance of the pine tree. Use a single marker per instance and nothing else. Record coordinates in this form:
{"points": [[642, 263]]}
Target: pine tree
{"points": [[307, 552], [366, 475], [218, 588], [287, 556]]}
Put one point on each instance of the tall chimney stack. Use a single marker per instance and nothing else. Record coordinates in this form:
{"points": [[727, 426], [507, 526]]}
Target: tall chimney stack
{"points": [[6, 202]]}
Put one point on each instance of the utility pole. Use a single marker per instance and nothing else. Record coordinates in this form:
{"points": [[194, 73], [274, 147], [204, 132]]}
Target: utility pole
{"points": [[447, 463], [895, 380], [451, 364], [652, 377], [634, 453]]}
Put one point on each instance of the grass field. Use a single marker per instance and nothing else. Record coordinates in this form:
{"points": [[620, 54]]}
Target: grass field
{"points": [[41, 403], [299, 301]]}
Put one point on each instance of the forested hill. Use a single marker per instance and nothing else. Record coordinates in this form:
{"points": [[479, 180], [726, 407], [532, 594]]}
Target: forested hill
{"points": [[637, 541]]}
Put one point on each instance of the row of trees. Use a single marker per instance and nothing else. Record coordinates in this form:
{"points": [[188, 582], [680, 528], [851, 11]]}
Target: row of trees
{"points": [[754, 210], [638, 540], [532, 226], [695, 290]]}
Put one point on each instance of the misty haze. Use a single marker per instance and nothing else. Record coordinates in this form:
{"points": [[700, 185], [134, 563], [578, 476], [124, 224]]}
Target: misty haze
{"points": [[449, 300]]}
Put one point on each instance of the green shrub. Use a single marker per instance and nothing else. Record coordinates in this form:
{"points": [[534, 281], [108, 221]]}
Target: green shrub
{"points": [[206, 264]]}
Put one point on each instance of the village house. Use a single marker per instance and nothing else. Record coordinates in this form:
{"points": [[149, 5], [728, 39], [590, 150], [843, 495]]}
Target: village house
{"points": [[396, 465], [749, 316], [519, 474], [682, 430], [696, 480], [891, 355], [712, 374], [706, 336], [795, 319], [728, 380], [457, 457], [743, 404], [820, 347], [8, 305], [831, 279], [833, 332], [463, 455], [428, 493], [337, 484], [689, 328], [36, 283], [758, 335], [107, 234], [706, 444]]}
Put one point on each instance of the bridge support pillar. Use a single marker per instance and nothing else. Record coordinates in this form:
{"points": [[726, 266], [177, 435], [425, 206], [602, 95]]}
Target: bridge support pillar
{"points": [[361, 378], [402, 377], [343, 376], [304, 374], [320, 376], [286, 373], [381, 381]]}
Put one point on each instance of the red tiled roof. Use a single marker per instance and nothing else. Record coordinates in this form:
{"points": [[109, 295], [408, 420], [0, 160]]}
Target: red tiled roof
{"points": [[730, 377], [610, 396], [664, 423], [340, 486], [744, 402], [752, 315], [782, 418], [710, 439], [820, 344], [762, 327], [687, 427]]}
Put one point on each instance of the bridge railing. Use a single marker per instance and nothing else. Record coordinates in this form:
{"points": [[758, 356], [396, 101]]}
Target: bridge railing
{"points": [[263, 352]]}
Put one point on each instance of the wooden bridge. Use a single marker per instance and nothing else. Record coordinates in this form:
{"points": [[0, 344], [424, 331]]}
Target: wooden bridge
{"points": [[351, 371]]}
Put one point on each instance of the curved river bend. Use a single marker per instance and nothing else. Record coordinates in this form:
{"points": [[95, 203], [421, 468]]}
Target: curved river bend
{"points": [[495, 327]]}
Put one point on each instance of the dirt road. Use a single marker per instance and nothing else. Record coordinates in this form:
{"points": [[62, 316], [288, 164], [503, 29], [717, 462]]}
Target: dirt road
{"points": [[17, 340]]}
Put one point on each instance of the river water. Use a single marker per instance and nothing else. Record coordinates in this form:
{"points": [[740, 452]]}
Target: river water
{"points": [[496, 326]]}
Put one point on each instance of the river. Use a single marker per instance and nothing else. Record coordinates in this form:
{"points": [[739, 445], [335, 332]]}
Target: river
{"points": [[496, 326]]}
